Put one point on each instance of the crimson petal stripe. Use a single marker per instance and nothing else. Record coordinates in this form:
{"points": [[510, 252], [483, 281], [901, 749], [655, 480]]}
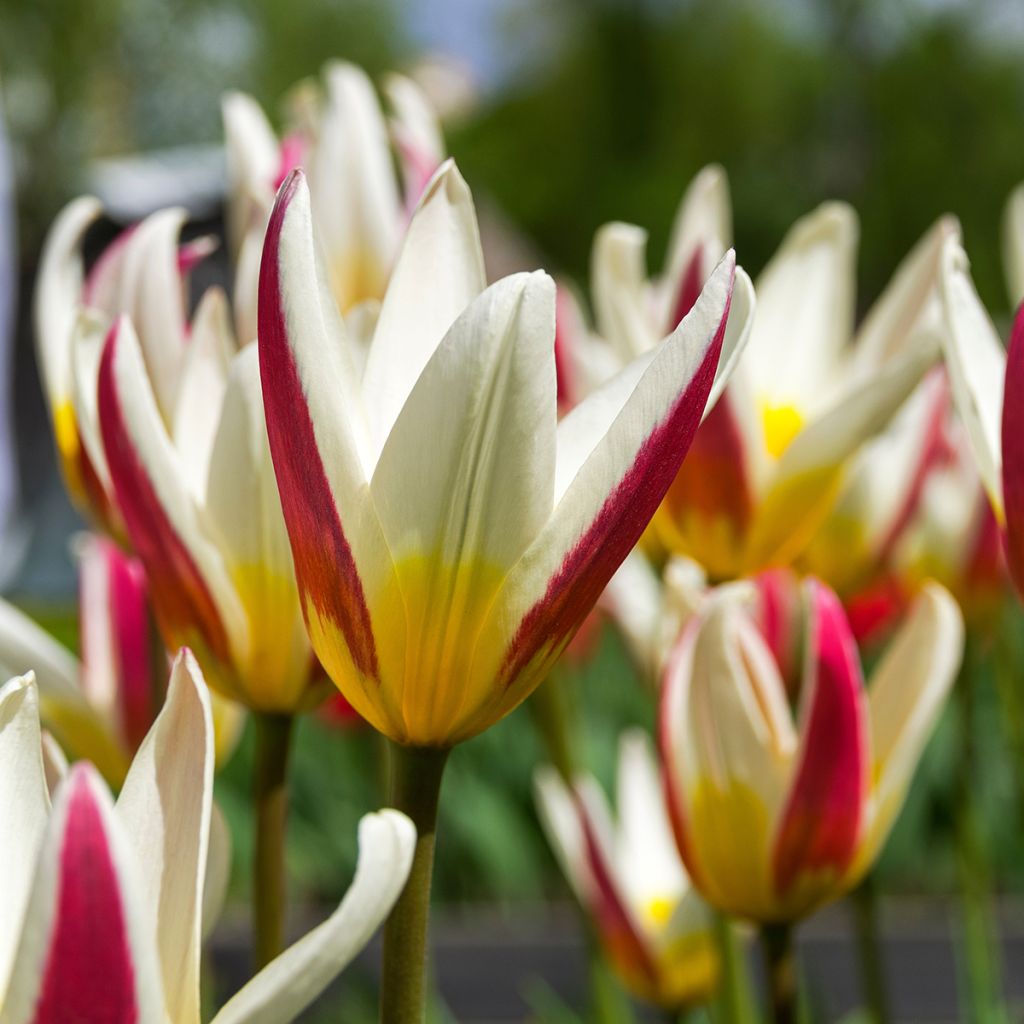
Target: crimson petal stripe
{"points": [[1013, 451], [822, 820], [89, 974], [182, 601], [324, 564], [589, 565]]}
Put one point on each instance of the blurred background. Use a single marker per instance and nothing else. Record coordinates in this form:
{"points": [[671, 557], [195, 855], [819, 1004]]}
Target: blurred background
{"points": [[562, 116]]}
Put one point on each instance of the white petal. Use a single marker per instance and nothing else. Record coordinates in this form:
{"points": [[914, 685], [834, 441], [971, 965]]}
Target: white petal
{"points": [[618, 271], [805, 308], [203, 379], [218, 869], [24, 808], [704, 219], [63, 707], [977, 365], [910, 300], [438, 274], [352, 180], [648, 859], [1013, 245], [287, 985], [468, 470], [248, 528], [59, 295], [907, 693], [165, 810]]}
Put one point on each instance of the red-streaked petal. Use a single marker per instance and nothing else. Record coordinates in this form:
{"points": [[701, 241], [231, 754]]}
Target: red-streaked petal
{"points": [[116, 641], [780, 618], [1013, 451], [154, 504], [689, 287], [821, 823], [626, 454], [615, 924], [304, 386], [87, 951]]}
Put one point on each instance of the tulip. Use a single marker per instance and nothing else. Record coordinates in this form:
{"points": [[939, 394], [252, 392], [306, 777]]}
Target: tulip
{"points": [[213, 542], [775, 814], [346, 146], [102, 904], [448, 534], [772, 456], [655, 930], [143, 273], [101, 708]]}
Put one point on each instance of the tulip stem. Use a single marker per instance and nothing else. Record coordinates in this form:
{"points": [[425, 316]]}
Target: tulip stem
{"points": [[735, 999], [864, 902], [415, 788], [270, 796], [780, 970]]}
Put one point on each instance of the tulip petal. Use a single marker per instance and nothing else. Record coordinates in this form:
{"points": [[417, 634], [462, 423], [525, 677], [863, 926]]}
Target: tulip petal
{"points": [[416, 134], [977, 366], [809, 476], [1012, 434], [805, 309], [24, 808], [617, 924], [907, 692], [58, 296], [87, 950], [117, 648], [290, 983], [701, 233], [218, 870], [152, 294], [1013, 245], [438, 274], [253, 157], [55, 768], [823, 818], [560, 820], [618, 451], [468, 470], [646, 853], [165, 810], [619, 273], [313, 415], [728, 741], [910, 300], [354, 188], [192, 596], [246, 521], [204, 377], [64, 710]]}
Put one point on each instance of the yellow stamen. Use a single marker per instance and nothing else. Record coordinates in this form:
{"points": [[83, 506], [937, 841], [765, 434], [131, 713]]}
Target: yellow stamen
{"points": [[781, 424]]}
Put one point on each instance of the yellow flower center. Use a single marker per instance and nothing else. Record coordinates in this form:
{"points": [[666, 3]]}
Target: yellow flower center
{"points": [[781, 424]]}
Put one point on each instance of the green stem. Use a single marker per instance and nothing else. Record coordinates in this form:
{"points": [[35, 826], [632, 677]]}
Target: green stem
{"points": [[415, 788], [270, 797], [780, 971], [982, 971], [736, 1000], [864, 901]]}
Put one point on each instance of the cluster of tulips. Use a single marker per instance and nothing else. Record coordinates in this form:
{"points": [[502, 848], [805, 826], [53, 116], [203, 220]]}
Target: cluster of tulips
{"points": [[369, 468]]}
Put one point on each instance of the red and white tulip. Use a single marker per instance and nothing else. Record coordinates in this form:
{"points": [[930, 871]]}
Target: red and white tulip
{"points": [[655, 930], [101, 913], [777, 811], [449, 534]]}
